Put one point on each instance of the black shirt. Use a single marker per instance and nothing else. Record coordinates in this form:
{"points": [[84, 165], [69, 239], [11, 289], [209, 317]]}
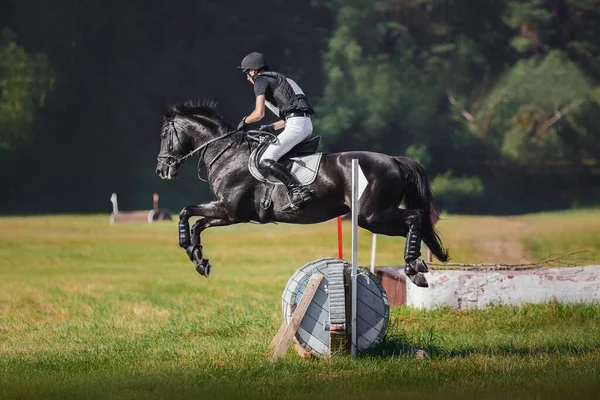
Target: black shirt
{"points": [[286, 98], [266, 85]]}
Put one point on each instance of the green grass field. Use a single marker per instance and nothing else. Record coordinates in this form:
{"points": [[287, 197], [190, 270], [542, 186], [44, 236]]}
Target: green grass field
{"points": [[89, 310]]}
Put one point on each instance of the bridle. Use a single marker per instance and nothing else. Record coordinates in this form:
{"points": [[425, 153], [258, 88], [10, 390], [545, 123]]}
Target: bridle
{"points": [[171, 161]]}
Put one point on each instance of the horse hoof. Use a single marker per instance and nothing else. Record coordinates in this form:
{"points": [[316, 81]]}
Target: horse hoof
{"points": [[203, 267], [415, 266], [419, 280], [420, 266]]}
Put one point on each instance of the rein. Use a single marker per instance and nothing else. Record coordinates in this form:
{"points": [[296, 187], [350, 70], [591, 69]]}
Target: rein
{"points": [[254, 135], [170, 160], [174, 161]]}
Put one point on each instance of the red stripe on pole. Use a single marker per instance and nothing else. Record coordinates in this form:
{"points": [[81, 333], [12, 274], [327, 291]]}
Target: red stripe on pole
{"points": [[340, 247]]}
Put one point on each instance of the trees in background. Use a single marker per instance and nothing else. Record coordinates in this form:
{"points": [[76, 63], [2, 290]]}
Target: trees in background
{"points": [[115, 64], [477, 91], [521, 77], [457, 84], [26, 80]]}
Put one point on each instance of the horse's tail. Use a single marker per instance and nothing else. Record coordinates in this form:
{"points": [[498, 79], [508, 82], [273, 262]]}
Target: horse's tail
{"points": [[419, 196]]}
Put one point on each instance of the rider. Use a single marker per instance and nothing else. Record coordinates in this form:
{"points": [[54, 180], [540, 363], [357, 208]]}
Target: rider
{"points": [[286, 100]]}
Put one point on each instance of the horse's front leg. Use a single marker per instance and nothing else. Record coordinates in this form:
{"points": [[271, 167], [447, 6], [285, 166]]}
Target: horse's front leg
{"points": [[213, 210], [194, 251], [214, 214]]}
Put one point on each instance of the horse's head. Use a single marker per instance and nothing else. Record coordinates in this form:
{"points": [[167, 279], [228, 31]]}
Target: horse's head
{"points": [[173, 146], [186, 127]]}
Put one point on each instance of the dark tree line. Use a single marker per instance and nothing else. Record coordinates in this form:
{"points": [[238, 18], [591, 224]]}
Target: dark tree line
{"points": [[499, 99], [113, 65]]}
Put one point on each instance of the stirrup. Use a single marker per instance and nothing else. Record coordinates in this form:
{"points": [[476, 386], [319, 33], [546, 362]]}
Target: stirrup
{"points": [[303, 195]]}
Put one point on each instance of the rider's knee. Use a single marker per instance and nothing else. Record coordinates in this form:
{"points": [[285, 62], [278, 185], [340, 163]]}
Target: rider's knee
{"points": [[266, 163]]}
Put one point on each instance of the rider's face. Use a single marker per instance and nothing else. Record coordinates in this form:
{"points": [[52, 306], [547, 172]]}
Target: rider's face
{"points": [[250, 75]]}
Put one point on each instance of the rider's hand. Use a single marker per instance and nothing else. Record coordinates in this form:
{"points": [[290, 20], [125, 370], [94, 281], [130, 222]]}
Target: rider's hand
{"points": [[242, 125], [267, 128]]}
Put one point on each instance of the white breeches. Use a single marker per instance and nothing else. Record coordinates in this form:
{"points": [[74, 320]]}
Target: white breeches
{"points": [[297, 129]]}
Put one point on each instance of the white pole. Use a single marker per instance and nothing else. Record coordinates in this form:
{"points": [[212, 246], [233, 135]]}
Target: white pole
{"points": [[113, 199], [373, 249], [353, 277]]}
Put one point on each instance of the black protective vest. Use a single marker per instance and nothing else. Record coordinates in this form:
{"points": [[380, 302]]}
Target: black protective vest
{"points": [[286, 100]]}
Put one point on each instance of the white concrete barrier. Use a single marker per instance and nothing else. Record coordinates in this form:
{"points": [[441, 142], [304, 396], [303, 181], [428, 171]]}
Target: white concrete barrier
{"points": [[478, 289]]}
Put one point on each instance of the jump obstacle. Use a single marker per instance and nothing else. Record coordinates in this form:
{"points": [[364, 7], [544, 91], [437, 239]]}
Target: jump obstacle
{"points": [[479, 288], [330, 305], [148, 216]]}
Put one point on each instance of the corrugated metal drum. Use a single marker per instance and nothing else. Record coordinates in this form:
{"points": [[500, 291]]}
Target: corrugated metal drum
{"points": [[331, 305]]}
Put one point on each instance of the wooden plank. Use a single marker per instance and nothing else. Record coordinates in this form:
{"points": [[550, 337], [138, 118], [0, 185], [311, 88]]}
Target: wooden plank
{"points": [[320, 300], [302, 351], [319, 303], [314, 319], [312, 331], [312, 327], [292, 327], [278, 336]]}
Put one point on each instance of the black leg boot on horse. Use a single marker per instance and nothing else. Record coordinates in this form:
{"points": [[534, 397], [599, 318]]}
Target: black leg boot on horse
{"points": [[192, 245], [298, 193], [415, 267]]}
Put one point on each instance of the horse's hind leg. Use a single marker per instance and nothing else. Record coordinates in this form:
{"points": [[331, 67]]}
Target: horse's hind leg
{"points": [[412, 251], [398, 222]]}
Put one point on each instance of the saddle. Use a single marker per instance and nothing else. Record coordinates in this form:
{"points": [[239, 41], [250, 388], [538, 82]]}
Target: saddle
{"points": [[303, 161]]}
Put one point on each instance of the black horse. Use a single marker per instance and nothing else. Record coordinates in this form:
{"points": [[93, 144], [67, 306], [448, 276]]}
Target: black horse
{"points": [[197, 129]]}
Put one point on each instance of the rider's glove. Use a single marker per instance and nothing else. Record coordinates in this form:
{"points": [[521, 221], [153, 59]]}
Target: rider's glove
{"points": [[267, 128], [242, 125]]}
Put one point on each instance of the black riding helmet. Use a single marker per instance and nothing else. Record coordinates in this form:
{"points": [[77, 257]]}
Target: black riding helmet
{"points": [[253, 61]]}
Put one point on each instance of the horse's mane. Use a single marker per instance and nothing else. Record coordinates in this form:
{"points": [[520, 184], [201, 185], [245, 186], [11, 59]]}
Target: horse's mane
{"points": [[195, 108], [203, 109]]}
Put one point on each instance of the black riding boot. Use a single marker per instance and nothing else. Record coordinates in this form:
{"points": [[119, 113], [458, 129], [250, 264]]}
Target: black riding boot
{"points": [[298, 194]]}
